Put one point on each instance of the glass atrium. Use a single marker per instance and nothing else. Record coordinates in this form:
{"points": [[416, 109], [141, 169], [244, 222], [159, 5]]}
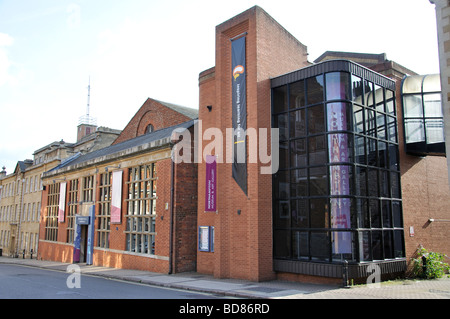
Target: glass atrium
{"points": [[336, 196]]}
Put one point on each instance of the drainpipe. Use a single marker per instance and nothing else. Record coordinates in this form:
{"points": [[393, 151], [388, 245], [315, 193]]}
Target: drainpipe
{"points": [[172, 177], [19, 237]]}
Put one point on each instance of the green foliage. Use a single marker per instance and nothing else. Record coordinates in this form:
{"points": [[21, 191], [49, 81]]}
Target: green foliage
{"points": [[434, 266]]}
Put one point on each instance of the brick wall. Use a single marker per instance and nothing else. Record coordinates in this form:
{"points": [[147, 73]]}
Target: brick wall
{"points": [[151, 112]]}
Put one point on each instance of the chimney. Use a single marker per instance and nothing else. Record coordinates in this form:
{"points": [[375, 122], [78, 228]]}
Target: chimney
{"points": [[3, 172]]}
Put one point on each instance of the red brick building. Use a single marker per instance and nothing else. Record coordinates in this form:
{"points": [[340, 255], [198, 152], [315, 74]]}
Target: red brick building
{"points": [[126, 205]]}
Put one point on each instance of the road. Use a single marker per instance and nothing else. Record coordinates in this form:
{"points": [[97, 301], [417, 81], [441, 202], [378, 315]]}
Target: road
{"points": [[21, 282]]}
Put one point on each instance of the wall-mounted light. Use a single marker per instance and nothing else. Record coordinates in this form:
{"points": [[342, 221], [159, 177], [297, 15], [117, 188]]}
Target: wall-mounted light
{"points": [[209, 107], [438, 220]]}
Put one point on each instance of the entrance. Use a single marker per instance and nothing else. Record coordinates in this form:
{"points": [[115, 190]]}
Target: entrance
{"points": [[83, 243], [83, 249]]}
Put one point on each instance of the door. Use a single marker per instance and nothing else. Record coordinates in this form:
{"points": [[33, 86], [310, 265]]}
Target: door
{"points": [[83, 243]]}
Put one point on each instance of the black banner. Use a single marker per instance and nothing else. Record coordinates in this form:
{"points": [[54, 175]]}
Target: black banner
{"points": [[239, 106]]}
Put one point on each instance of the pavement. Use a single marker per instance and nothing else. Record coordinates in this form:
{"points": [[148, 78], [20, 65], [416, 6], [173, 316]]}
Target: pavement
{"points": [[399, 289]]}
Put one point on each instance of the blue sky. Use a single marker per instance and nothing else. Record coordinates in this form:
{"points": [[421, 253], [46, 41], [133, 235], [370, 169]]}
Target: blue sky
{"points": [[137, 49]]}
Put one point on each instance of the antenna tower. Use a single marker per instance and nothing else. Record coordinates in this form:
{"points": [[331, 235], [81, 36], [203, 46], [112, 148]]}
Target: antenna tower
{"points": [[87, 119]]}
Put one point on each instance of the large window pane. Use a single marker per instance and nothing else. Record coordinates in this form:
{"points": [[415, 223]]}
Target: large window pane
{"points": [[372, 151], [280, 99], [384, 183], [282, 244], [317, 150], [365, 250], [388, 244], [357, 89], [395, 185], [320, 246], [371, 123], [379, 98], [298, 123], [300, 245], [414, 130], [399, 250], [434, 131], [373, 182], [392, 129], [316, 119], [299, 154], [342, 246], [390, 107], [284, 155], [374, 207], [381, 126], [281, 122], [360, 150], [299, 183], [432, 104], [368, 94], [386, 212], [358, 119], [338, 85], [319, 213], [281, 214], [281, 183], [413, 106], [314, 87], [297, 94], [300, 213], [363, 213], [360, 181], [397, 214], [318, 181], [377, 245]]}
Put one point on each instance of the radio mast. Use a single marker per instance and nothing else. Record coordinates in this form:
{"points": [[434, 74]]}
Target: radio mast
{"points": [[86, 123]]}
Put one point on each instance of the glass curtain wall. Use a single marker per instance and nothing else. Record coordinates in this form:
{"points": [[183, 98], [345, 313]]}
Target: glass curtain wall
{"points": [[337, 194]]}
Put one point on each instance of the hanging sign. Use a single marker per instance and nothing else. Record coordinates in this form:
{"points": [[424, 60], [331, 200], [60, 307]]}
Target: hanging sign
{"points": [[116, 198], [239, 112], [62, 202]]}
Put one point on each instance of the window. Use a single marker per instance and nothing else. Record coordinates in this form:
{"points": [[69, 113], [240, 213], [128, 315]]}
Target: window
{"points": [[423, 116], [141, 215], [51, 224], [149, 129], [88, 189], [72, 210], [104, 210], [336, 195]]}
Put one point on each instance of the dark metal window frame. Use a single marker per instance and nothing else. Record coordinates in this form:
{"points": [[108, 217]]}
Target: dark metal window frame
{"points": [[421, 148], [366, 75]]}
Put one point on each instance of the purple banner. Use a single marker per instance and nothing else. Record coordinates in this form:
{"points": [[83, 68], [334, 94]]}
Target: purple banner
{"points": [[339, 177], [211, 184]]}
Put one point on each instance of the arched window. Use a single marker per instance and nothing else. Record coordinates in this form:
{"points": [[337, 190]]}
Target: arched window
{"points": [[149, 129]]}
